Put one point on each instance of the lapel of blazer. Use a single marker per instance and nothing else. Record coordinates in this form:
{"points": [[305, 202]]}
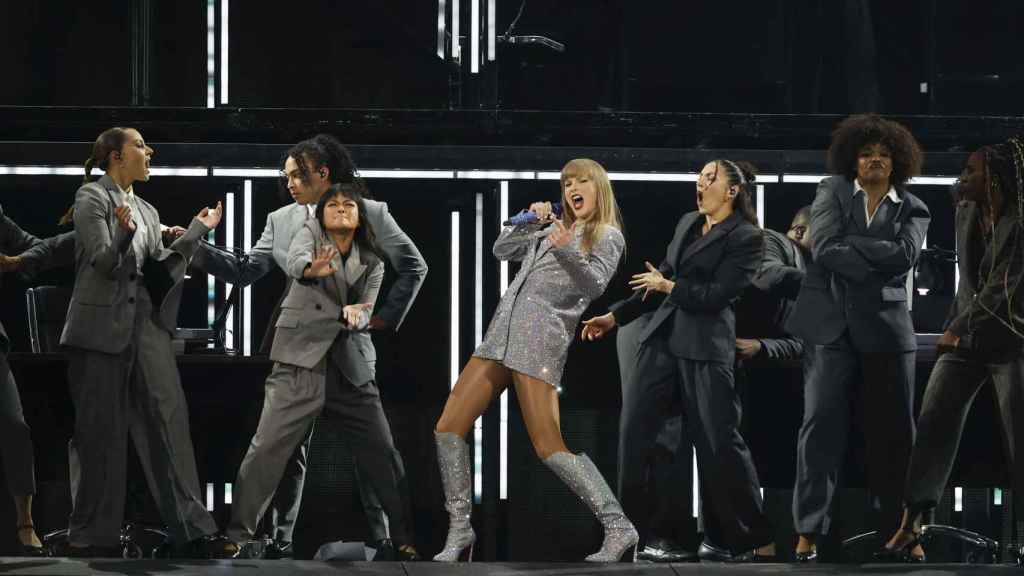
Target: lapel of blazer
{"points": [[716, 233], [688, 220], [347, 276], [542, 247]]}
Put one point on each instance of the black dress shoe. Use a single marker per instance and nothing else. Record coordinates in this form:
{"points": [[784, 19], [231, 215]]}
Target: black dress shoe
{"points": [[29, 549], [904, 554], [211, 547], [278, 550], [665, 550], [710, 553], [386, 551], [805, 557]]}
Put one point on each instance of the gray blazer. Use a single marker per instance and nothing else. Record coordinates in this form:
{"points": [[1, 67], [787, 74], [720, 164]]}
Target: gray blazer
{"points": [[310, 319], [102, 310], [34, 256], [857, 279], [273, 246], [982, 313]]}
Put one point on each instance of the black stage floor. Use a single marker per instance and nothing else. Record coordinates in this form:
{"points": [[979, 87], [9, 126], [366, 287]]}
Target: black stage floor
{"points": [[70, 567]]}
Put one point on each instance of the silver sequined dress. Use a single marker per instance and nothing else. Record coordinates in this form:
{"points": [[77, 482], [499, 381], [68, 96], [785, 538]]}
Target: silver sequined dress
{"points": [[538, 315]]}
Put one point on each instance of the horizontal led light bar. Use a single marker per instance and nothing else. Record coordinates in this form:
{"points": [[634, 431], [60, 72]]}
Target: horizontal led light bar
{"points": [[934, 180], [79, 171], [247, 172], [495, 175], [804, 178], [185, 171], [412, 174], [653, 176]]}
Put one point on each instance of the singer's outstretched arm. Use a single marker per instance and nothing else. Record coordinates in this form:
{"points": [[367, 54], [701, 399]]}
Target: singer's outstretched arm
{"points": [[514, 241], [234, 269]]}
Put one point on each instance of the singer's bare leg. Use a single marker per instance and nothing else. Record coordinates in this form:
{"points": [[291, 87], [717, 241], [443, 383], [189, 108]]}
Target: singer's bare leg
{"points": [[479, 383], [26, 527], [538, 401]]}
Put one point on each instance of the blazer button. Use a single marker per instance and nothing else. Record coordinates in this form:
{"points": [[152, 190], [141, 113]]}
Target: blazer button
{"points": [[131, 299], [131, 277], [319, 307]]}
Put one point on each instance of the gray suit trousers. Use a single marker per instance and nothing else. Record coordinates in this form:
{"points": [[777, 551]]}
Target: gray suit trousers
{"points": [[952, 387], [886, 392], [15, 437], [136, 392], [294, 397]]}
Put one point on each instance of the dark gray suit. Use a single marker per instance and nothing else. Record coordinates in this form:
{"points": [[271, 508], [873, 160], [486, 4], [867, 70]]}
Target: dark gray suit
{"points": [[272, 250], [689, 341], [15, 437], [981, 315], [853, 308], [122, 372]]}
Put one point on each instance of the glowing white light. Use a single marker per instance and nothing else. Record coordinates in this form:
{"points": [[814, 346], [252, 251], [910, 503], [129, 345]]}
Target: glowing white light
{"points": [[933, 180], [653, 176], [223, 51], [247, 291], [453, 290], [247, 172], [804, 178], [412, 174], [474, 36], [495, 175]]}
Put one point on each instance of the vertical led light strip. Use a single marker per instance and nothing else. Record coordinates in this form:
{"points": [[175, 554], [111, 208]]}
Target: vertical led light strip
{"points": [[474, 36], [958, 499], [211, 48], [227, 493], [478, 337], [246, 335], [223, 51], [456, 45], [229, 243], [759, 202], [696, 487], [211, 288], [453, 313], [441, 8], [209, 496], [492, 10], [503, 423]]}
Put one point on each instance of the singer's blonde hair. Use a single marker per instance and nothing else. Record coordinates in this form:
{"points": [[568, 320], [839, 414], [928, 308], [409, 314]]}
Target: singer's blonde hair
{"points": [[606, 213]]}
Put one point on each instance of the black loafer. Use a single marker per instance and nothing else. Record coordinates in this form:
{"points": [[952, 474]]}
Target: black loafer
{"points": [[805, 557], [664, 550], [711, 553], [279, 550]]}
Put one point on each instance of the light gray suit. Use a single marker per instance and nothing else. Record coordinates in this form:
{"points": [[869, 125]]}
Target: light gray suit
{"points": [[122, 372], [272, 250], [319, 362]]}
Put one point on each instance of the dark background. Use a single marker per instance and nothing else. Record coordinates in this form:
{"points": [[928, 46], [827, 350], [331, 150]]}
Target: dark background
{"points": [[659, 86]]}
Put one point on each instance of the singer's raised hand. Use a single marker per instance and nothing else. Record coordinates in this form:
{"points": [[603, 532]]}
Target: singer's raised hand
{"points": [[560, 235], [211, 217], [124, 217], [543, 211], [321, 266], [597, 327], [651, 281]]}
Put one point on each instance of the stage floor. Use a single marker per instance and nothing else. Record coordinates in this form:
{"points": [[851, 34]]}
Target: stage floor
{"points": [[71, 567]]}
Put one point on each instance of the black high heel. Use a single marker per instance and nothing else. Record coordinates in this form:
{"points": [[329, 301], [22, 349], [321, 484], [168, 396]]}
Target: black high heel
{"points": [[28, 549], [905, 553]]}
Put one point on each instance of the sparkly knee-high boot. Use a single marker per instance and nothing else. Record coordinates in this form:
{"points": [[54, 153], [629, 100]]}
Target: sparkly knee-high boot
{"points": [[453, 459], [586, 482]]}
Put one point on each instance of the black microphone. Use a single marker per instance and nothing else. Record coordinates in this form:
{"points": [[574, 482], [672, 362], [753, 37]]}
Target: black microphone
{"points": [[529, 217]]}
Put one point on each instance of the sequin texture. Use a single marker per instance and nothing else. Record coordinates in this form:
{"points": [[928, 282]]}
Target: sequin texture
{"points": [[537, 318], [453, 460]]}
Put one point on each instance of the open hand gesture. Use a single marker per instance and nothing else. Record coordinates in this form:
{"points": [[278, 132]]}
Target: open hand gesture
{"points": [[124, 217], [321, 266], [211, 217], [597, 327], [652, 280], [560, 235]]}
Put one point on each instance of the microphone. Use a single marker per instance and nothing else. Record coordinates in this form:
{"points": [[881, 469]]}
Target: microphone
{"points": [[528, 217]]}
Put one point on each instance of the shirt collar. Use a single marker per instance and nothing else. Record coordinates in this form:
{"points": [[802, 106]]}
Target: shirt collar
{"points": [[891, 195]]}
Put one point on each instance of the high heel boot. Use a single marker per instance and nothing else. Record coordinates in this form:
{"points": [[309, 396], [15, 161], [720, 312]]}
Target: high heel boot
{"points": [[453, 459], [583, 478]]}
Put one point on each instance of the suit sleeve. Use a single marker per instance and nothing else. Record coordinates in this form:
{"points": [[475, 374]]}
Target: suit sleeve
{"points": [[408, 264], [53, 252], [229, 267], [14, 240], [894, 257], [102, 248], [735, 272], [592, 273], [373, 283], [777, 275], [300, 252], [828, 238], [782, 348], [990, 305]]}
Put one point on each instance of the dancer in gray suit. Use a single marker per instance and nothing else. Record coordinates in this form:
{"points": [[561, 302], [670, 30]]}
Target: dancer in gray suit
{"points": [[866, 235], [121, 367], [322, 358], [567, 263], [309, 170], [983, 339]]}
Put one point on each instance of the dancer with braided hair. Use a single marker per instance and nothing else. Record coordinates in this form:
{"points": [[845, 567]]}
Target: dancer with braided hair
{"points": [[983, 338]]}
